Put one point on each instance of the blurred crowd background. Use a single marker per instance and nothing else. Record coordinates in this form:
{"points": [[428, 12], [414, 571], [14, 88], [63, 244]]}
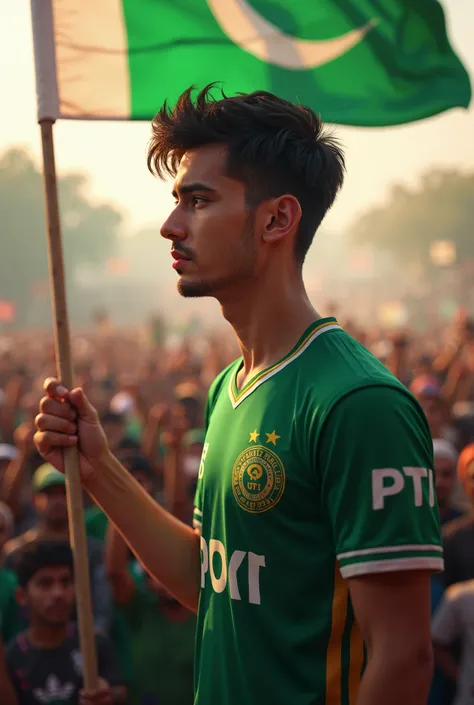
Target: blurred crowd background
{"points": [[149, 385]]}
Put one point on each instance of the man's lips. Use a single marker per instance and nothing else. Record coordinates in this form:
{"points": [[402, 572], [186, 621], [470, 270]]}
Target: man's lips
{"points": [[179, 259]]}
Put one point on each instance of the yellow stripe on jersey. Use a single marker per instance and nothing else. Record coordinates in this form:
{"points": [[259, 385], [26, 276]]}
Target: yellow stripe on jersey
{"points": [[261, 375], [334, 651]]}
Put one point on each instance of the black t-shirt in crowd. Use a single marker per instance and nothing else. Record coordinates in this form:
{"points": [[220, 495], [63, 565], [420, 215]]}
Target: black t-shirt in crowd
{"points": [[55, 676]]}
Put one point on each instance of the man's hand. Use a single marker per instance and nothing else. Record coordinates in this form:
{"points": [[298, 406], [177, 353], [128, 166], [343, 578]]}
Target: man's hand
{"points": [[67, 419], [102, 695]]}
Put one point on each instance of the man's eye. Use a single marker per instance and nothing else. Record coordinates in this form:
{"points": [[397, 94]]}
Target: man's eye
{"points": [[196, 200]]}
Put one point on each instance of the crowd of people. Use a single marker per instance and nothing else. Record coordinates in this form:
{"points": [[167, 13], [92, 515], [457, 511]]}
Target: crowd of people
{"points": [[151, 400]]}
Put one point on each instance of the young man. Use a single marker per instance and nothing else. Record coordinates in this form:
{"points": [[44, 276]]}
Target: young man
{"points": [[49, 499], [316, 521], [44, 663]]}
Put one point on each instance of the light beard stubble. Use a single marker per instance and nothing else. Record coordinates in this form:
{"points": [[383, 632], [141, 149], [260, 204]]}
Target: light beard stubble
{"points": [[243, 260]]}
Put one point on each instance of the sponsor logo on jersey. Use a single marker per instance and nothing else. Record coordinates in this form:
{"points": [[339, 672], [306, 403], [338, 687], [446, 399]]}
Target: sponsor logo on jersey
{"points": [[258, 479], [224, 571]]}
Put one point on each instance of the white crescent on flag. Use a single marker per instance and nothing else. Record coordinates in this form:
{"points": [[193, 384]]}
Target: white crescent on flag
{"points": [[256, 35]]}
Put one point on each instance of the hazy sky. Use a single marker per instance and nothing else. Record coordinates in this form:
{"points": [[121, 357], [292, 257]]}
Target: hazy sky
{"points": [[114, 153]]}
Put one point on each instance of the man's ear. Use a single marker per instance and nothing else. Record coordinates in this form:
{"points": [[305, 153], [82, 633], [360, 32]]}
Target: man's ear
{"points": [[282, 220]]}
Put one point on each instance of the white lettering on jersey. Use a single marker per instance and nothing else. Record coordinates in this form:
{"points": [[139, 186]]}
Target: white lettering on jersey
{"points": [[381, 489], [218, 584], [228, 573], [205, 448]]}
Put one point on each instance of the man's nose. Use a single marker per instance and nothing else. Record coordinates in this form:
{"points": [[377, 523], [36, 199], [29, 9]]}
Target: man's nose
{"points": [[58, 590], [172, 228]]}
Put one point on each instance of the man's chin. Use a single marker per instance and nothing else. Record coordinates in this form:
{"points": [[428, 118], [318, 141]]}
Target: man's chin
{"points": [[194, 289]]}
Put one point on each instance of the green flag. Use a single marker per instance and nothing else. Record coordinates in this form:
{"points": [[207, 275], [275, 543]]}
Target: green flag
{"points": [[374, 62]]}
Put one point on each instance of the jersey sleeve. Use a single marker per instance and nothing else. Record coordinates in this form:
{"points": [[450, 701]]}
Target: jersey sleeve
{"points": [[377, 484]]}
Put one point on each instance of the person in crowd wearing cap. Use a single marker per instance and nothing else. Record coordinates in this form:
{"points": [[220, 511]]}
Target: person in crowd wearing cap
{"points": [[459, 534], [10, 619], [160, 629], [445, 465], [49, 499], [44, 663]]}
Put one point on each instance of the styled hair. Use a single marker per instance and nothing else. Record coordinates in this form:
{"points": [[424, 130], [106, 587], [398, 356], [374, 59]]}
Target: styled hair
{"points": [[42, 554], [274, 148]]}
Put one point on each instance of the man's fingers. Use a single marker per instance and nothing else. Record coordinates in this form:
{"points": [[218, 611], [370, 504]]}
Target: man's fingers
{"points": [[79, 400], [54, 388], [46, 441], [57, 408], [46, 422]]}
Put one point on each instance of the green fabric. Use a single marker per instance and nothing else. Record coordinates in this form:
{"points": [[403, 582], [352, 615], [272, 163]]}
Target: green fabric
{"points": [[96, 522], [162, 650], [121, 638], [11, 622], [317, 470], [403, 69]]}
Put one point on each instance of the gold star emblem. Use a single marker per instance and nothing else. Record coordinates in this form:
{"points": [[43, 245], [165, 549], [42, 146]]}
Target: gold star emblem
{"points": [[272, 437], [253, 436]]}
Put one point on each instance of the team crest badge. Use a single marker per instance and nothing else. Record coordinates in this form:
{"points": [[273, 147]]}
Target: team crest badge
{"points": [[258, 479]]}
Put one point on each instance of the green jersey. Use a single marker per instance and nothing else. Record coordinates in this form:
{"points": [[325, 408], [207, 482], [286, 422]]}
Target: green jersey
{"points": [[317, 470]]}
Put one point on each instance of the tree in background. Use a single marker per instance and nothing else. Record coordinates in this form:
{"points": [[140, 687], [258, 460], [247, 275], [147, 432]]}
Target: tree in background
{"points": [[90, 232], [440, 208]]}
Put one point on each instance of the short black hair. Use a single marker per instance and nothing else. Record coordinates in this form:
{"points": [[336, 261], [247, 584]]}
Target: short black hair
{"points": [[42, 554], [274, 147]]}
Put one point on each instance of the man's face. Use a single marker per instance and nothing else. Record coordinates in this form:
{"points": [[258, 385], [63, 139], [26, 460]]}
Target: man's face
{"points": [[445, 473], [51, 504], [211, 228], [49, 595]]}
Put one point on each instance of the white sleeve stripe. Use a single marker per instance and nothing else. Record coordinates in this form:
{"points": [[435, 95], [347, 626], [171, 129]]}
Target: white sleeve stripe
{"points": [[197, 524], [390, 549], [392, 565], [197, 512]]}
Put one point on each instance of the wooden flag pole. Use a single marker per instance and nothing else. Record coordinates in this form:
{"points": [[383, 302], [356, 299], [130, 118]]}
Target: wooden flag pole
{"points": [[64, 370]]}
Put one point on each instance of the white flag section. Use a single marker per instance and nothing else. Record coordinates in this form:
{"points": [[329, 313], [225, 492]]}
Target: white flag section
{"points": [[81, 59]]}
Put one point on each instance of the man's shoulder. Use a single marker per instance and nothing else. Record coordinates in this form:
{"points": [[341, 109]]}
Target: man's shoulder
{"points": [[337, 365]]}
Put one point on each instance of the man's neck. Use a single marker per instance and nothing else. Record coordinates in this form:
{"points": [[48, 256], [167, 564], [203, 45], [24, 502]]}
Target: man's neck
{"points": [[45, 636], [268, 321]]}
